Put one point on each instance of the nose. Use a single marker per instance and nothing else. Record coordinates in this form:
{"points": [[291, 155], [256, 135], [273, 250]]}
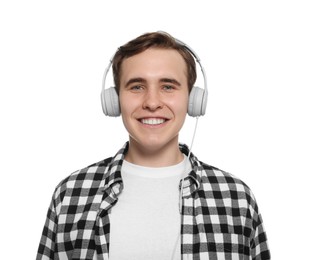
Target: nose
{"points": [[152, 100]]}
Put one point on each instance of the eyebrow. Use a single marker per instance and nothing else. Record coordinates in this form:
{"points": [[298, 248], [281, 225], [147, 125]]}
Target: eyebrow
{"points": [[142, 80], [168, 80], [135, 80]]}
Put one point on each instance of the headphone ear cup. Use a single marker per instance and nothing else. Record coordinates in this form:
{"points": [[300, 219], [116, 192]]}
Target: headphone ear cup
{"points": [[110, 102], [197, 102]]}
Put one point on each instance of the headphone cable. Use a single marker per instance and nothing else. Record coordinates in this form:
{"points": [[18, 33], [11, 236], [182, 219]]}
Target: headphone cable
{"points": [[182, 186]]}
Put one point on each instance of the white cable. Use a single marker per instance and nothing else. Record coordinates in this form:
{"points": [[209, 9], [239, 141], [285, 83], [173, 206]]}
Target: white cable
{"points": [[187, 161], [193, 137], [182, 186]]}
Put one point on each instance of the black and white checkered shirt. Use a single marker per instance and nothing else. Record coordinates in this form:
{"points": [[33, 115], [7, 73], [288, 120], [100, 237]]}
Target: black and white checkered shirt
{"points": [[220, 217]]}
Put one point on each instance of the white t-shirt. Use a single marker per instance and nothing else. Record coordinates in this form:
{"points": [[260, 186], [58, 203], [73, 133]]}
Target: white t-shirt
{"points": [[145, 222]]}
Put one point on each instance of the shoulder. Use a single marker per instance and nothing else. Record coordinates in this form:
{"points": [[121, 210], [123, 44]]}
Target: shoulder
{"points": [[226, 185], [94, 172], [218, 176], [84, 182]]}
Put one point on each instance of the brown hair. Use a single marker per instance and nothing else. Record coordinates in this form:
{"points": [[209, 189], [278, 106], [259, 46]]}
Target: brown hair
{"points": [[153, 40]]}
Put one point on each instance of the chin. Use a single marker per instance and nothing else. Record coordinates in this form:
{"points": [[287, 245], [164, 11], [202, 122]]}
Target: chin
{"points": [[154, 144]]}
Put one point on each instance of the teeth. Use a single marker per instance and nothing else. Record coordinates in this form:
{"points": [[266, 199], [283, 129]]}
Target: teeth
{"points": [[152, 121]]}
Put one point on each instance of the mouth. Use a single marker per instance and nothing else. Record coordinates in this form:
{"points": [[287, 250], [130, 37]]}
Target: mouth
{"points": [[153, 121]]}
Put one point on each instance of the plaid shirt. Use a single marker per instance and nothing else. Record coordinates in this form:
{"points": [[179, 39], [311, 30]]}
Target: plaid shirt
{"points": [[220, 218]]}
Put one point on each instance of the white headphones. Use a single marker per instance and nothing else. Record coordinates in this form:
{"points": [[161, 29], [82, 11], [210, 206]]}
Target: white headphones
{"points": [[197, 98]]}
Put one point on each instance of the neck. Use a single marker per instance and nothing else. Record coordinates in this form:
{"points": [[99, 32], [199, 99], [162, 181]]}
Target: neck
{"points": [[154, 157]]}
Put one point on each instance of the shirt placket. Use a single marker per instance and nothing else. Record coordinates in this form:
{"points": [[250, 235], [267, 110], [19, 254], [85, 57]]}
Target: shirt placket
{"points": [[102, 235]]}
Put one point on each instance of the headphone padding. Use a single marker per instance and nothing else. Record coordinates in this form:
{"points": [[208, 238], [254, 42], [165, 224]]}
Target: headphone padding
{"points": [[197, 102], [110, 102]]}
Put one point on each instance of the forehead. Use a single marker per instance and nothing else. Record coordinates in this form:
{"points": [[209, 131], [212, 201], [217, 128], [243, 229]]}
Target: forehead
{"points": [[154, 61]]}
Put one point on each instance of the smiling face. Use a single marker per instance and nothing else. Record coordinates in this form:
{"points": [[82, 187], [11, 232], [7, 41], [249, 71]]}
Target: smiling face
{"points": [[153, 99]]}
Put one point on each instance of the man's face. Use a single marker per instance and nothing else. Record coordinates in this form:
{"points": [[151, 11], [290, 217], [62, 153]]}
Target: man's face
{"points": [[154, 98]]}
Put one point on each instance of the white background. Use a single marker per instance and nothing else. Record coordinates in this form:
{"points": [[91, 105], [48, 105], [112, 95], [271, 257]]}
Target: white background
{"points": [[259, 62]]}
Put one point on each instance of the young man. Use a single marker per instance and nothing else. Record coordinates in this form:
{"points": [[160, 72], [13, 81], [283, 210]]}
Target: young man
{"points": [[153, 199]]}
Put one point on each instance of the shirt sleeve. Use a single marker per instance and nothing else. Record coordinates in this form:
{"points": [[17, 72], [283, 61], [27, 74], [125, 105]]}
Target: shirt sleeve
{"points": [[47, 243], [259, 246]]}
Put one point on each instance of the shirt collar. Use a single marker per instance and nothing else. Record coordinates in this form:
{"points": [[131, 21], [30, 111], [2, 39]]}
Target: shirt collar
{"points": [[193, 180], [113, 180], [114, 177]]}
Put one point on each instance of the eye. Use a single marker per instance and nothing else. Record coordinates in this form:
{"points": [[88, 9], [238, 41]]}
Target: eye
{"points": [[168, 87], [136, 88]]}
